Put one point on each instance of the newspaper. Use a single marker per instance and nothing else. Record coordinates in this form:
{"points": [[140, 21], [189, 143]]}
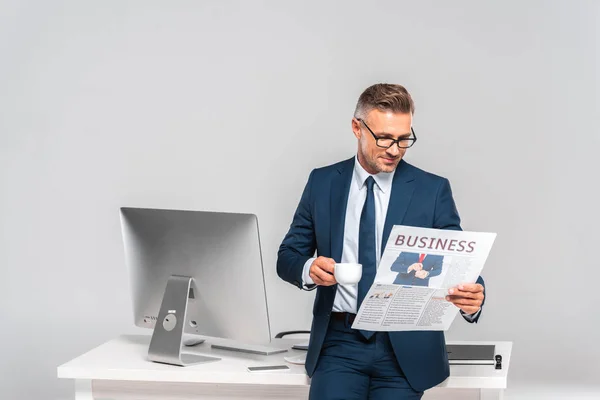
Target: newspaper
{"points": [[416, 270]]}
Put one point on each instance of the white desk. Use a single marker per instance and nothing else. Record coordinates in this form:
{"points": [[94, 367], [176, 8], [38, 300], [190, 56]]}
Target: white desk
{"points": [[118, 370]]}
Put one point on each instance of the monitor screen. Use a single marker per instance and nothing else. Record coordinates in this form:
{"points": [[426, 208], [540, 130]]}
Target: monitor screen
{"points": [[220, 251]]}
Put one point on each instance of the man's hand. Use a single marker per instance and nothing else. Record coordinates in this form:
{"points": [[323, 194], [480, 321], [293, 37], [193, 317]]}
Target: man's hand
{"points": [[321, 271], [415, 267], [468, 297], [421, 274]]}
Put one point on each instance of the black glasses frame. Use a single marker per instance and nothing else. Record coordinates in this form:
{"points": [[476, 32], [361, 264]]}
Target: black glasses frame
{"points": [[394, 141]]}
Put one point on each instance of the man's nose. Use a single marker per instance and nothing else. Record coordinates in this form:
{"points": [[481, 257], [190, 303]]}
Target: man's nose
{"points": [[393, 150]]}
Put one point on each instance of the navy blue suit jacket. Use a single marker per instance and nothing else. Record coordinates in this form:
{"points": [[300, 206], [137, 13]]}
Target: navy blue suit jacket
{"points": [[431, 264], [417, 199]]}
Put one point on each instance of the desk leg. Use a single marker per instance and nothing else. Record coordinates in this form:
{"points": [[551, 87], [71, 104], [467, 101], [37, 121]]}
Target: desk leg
{"points": [[491, 394], [83, 389]]}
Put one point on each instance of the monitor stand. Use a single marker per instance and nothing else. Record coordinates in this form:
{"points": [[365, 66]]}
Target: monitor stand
{"points": [[165, 345]]}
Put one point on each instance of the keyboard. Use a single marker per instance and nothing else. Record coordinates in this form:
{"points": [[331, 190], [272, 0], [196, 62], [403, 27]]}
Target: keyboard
{"points": [[250, 348]]}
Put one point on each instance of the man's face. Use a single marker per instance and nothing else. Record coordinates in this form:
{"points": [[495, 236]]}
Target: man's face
{"points": [[384, 124]]}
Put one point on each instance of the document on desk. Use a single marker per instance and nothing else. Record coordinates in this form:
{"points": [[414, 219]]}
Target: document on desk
{"points": [[416, 270]]}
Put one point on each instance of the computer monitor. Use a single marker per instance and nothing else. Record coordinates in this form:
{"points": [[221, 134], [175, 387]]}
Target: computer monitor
{"points": [[195, 273]]}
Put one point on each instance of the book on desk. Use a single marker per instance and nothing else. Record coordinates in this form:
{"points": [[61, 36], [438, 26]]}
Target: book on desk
{"points": [[458, 354]]}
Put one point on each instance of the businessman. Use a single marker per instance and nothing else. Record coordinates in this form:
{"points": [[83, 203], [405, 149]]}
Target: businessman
{"points": [[345, 214], [416, 268]]}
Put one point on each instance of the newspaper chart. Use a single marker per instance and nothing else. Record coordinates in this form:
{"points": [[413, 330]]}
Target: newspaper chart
{"points": [[416, 270]]}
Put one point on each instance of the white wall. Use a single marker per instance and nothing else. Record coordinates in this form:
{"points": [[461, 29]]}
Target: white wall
{"points": [[112, 103]]}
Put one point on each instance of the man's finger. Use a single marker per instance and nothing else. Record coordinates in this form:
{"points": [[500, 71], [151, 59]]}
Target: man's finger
{"points": [[320, 274], [471, 287], [320, 281], [476, 300], [464, 294], [461, 301], [316, 279], [326, 264], [324, 275]]}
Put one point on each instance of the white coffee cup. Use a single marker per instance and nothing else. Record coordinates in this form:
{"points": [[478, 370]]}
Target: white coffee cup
{"points": [[347, 273]]}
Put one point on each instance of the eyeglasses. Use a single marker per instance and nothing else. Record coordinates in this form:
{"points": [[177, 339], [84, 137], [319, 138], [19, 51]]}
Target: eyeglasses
{"points": [[386, 143]]}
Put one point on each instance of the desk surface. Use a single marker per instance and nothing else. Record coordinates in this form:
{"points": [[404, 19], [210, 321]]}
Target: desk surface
{"points": [[124, 359]]}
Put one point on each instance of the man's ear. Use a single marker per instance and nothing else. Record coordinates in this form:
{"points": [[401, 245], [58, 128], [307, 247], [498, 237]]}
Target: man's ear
{"points": [[356, 128]]}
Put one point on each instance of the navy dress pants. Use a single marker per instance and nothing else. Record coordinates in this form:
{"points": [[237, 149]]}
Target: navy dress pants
{"points": [[351, 367]]}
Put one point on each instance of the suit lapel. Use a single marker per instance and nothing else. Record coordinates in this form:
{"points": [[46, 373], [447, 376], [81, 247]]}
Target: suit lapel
{"points": [[402, 191], [340, 187]]}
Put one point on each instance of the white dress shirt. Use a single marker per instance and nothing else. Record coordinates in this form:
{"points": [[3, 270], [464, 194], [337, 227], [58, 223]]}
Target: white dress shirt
{"points": [[345, 298]]}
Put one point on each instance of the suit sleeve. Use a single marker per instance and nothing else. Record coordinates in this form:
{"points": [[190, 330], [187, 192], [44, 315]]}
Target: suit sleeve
{"points": [[436, 268], [446, 217], [399, 265], [299, 244]]}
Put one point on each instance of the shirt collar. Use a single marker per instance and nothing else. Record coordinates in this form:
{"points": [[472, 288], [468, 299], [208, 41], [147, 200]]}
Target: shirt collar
{"points": [[382, 179]]}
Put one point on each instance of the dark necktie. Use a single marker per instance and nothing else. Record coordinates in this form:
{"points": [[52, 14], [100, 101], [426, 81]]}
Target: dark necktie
{"points": [[367, 246]]}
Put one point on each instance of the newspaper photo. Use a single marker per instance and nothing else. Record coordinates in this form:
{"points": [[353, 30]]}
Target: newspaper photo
{"points": [[416, 270]]}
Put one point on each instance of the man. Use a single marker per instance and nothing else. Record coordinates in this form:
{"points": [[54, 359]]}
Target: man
{"points": [[416, 268], [346, 213]]}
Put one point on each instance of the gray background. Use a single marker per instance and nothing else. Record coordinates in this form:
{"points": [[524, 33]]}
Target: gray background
{"points": [[229, 105]]}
